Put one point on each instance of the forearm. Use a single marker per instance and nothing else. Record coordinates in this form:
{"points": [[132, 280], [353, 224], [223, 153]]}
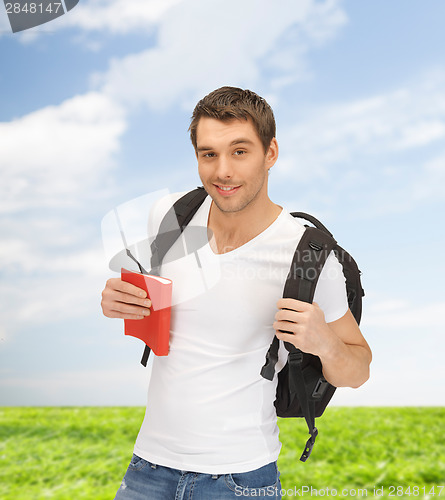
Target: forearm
{"points": [[345, 365]]}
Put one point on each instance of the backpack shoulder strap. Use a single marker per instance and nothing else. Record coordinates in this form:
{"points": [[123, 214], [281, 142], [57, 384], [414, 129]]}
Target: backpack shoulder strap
{"points": [[170, 229], [350, 269], [313, 220], [173, 224], [309, 258], [307, 263]]}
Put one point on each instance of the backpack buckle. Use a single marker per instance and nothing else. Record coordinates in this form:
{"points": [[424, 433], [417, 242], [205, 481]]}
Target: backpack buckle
{"points": [[268, 370], [295, 358], [320, 388], [309, 445]]}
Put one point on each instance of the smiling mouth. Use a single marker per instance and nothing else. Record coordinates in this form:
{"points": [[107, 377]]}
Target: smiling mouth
{"points": [[226, 190]]}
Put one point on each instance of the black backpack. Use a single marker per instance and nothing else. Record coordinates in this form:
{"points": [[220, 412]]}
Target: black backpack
{"points": [[302, 391]]}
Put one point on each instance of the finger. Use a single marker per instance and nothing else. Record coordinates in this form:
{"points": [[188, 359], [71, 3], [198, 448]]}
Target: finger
{"points": [[293, 304], [116, 314], [126, 298], [287, 337], [288, 315], [124, 308], [123, 286], [285, 326]]}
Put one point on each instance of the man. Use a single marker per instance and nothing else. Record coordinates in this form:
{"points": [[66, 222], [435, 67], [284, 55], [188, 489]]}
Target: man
{"points": [[210, 428]]}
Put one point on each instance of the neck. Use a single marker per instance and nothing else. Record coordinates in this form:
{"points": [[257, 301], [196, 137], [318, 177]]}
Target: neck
{"points": [[233, 229]]}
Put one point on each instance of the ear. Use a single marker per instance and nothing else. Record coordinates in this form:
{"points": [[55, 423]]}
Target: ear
{"points": [[272, 154]]}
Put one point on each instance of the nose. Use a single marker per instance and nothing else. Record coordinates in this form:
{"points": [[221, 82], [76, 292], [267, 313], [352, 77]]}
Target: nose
{"points": [[224, 168]]}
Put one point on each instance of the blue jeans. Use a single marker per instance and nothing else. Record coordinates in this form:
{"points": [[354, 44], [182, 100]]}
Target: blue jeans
{"points": [[147, 481]]}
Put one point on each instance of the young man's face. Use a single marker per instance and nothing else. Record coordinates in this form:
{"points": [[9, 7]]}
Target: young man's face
{"points": [[232, 164]]}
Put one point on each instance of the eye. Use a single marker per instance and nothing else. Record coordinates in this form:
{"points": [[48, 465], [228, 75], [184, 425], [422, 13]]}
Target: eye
{"points": [[239, 152], [209, 155]]}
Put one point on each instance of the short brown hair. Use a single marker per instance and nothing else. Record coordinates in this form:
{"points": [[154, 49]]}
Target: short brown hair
{"points": [[229, 103]]}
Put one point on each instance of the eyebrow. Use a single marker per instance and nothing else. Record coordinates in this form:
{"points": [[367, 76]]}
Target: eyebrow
{"points": [[241, 140]]}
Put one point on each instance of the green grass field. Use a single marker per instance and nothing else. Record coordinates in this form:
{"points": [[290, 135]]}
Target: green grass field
{"points": [[82, 453]]}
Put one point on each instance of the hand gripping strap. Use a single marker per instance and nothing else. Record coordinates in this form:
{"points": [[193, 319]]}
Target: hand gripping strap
{"points": [[171, 228], [308, 261]]}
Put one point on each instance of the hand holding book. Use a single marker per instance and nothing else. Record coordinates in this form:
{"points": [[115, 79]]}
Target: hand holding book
{"points": [[154, 329], [143, 300]]}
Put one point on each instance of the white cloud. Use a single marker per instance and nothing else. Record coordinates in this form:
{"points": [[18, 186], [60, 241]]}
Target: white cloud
{"points": [[391, 146], [204, 45], [52, 296], [421, 133], [117, 16], [203, 21], [53, 162], [52, 270], [402, 314], [37, 252], [49, 157], [400, 120]]}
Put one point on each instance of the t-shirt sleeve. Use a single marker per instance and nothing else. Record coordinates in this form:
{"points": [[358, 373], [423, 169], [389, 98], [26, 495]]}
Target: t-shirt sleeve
{"points": [[330, 292]]}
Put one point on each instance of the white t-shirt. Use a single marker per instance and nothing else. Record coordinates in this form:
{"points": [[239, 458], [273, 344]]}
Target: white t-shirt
{"points": [[209, 410]]}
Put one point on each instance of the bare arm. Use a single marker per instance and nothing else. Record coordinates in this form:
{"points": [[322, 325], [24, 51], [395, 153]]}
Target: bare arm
{"points": [[124, 300], [343, 351]]}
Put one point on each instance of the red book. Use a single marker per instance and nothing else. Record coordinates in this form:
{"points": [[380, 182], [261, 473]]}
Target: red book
{"points": [[154, 329]]}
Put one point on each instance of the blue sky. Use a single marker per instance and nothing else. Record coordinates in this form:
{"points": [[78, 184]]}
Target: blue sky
{"points": [[94, 111]]}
